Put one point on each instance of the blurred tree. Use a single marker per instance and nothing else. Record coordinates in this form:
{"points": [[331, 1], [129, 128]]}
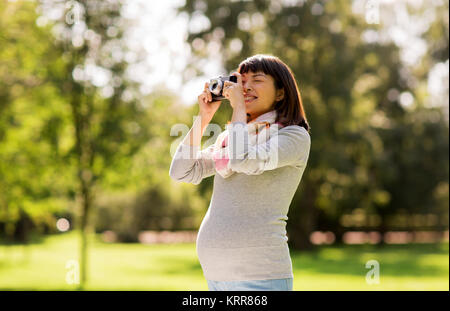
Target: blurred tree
{"points": [[348, 84], [35, 183], [40, 78], [109, 123], [151, 200]]}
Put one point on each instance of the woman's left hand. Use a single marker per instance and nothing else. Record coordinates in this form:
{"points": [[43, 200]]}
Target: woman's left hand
{"points": [[234, 92]]}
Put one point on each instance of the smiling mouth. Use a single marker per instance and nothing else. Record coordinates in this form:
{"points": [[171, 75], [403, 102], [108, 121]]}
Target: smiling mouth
{"points": [[250, 99]]}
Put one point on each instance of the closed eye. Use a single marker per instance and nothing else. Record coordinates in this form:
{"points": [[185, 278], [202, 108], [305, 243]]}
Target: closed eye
{"points": [[243, 82]]}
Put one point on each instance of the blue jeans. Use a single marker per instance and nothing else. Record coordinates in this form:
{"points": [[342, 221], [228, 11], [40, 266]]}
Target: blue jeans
{"points": [[257, 285]]}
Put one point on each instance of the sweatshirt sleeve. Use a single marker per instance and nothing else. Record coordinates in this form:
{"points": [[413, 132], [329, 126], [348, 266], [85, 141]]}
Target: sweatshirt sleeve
{"points": [[191, 165], [289, 146]]}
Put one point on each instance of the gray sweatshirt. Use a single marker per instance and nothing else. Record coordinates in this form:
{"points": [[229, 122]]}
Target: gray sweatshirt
{"points": [[243, 234]]}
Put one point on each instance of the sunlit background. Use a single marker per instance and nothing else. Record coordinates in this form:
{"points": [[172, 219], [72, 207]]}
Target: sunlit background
{"points": [[162, 34]]}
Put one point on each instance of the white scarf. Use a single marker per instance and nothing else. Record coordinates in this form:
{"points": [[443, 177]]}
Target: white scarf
{"points": [[259, 131]]}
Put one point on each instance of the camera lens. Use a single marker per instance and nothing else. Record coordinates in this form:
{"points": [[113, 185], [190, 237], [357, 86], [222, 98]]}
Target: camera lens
{"points": [[215, 86]]}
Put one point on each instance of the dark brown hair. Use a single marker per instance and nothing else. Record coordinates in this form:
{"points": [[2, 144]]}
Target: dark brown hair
{"points": [[290, 109]]}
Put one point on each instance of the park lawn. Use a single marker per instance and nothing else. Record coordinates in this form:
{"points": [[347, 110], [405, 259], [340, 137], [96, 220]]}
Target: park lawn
{"points": [[120, 266]]}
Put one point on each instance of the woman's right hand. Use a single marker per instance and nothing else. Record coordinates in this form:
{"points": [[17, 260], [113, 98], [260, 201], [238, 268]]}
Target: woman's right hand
{"points": [[207, 107]]}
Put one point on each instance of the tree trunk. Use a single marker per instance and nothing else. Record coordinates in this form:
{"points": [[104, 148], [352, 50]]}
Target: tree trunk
{"points": [[84, 229], [81, 113], [303, 219]]}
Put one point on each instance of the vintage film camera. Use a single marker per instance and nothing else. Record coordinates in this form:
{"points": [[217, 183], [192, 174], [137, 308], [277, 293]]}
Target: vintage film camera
{"points": [[216, 86]]}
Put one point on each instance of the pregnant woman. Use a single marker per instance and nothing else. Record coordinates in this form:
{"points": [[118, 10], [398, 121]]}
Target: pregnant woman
{"points": [[258, 162]]}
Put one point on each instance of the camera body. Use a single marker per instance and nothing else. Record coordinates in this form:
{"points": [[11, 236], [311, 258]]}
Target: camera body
{"points": [[216, 86]]}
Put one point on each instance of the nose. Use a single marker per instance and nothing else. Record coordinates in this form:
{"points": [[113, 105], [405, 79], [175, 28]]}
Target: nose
{"points": [[246, 86]]}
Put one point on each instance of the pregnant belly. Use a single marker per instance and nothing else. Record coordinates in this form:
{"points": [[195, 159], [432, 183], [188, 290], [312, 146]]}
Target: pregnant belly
{"points": [[235, 233]]}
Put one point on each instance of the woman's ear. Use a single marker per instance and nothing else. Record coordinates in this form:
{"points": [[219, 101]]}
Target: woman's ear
{"points": [[280, 94]]}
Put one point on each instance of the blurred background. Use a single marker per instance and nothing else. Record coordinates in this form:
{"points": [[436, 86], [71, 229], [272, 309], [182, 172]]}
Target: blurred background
{"points": [[90, 95]]}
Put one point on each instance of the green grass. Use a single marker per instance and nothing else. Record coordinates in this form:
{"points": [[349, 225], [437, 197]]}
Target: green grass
{"points": [[42, 266]]}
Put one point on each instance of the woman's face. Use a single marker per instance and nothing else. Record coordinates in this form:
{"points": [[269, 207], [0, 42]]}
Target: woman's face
{"points": [[260, 93]]}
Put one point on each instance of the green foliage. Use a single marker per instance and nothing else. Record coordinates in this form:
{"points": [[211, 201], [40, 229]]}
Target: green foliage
{"points": [[128, 214], [55, 129], [368, 151], [68, 142], [35, 181]]}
